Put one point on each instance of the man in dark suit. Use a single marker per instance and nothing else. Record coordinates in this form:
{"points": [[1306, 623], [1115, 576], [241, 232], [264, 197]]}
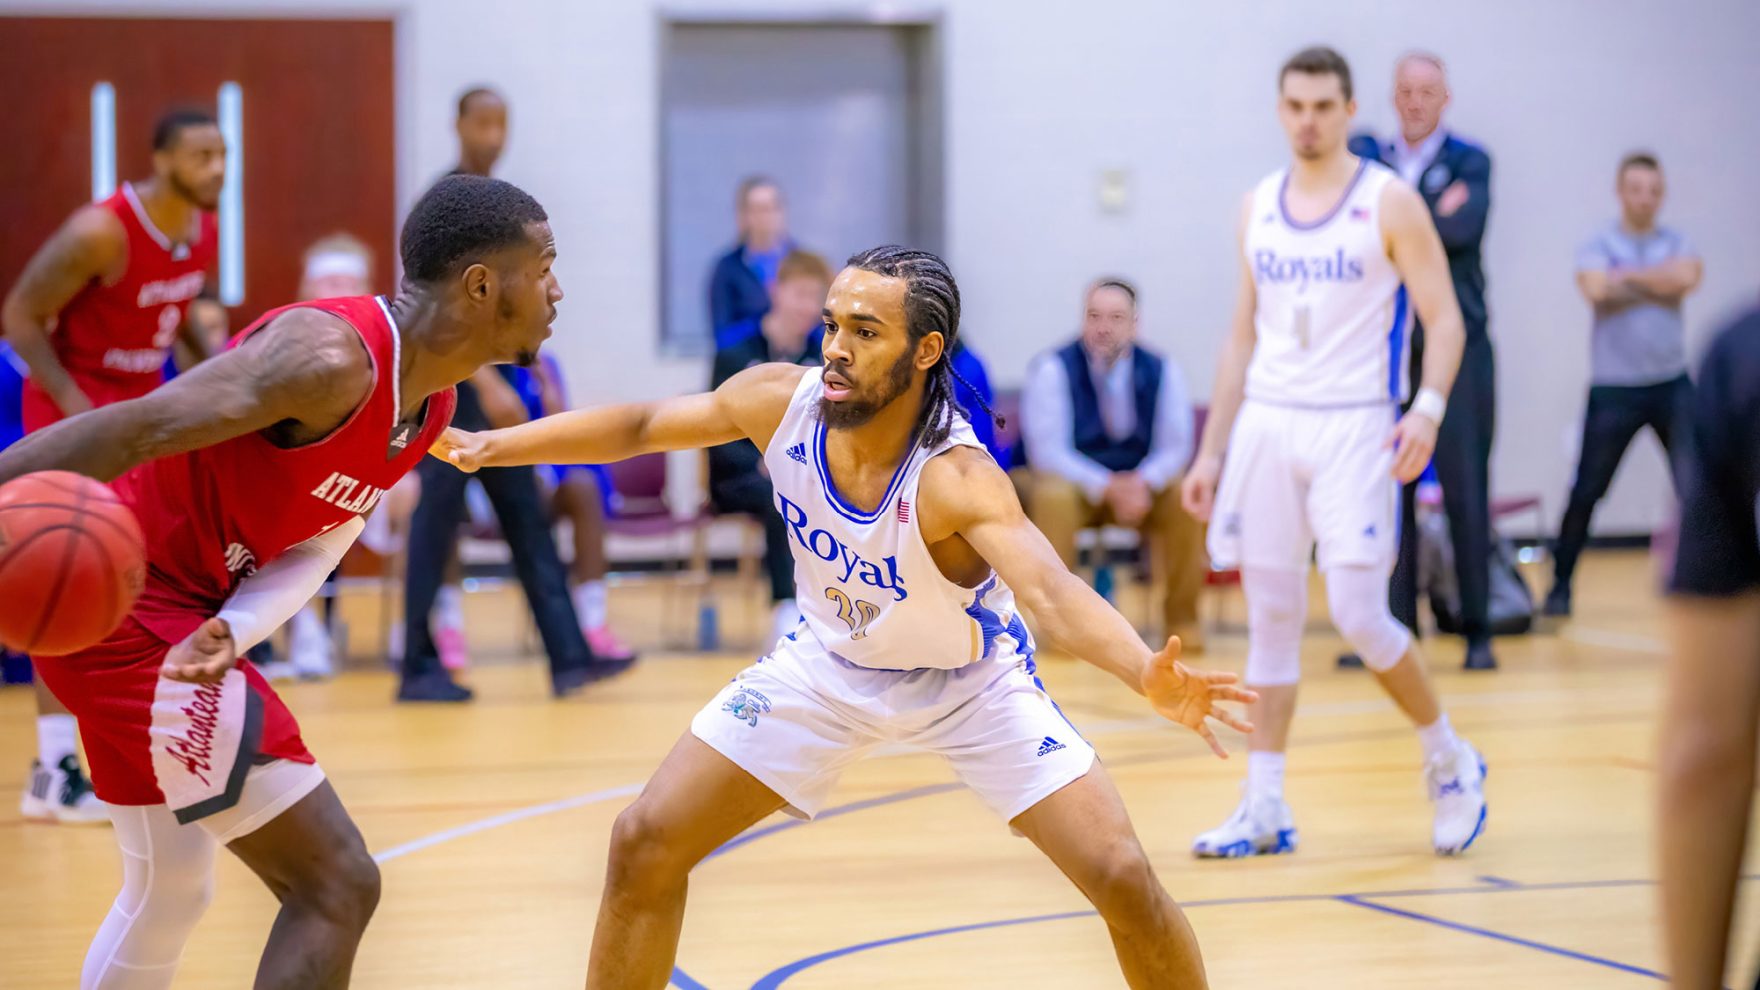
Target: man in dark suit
{"points": [[1454, 178], [739, 286]]}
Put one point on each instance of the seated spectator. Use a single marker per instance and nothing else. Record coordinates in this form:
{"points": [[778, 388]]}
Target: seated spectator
{"points": [[334, 266], [1107, 427], [737, 481], [580, 493], [739, 287], [971, 389]]}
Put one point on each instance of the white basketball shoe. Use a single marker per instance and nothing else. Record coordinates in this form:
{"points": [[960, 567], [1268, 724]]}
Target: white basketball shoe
{"points": [[1457, 788], [1262, 825], [61, 794]]}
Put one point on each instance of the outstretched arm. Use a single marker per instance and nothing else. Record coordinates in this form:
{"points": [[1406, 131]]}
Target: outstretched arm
{"points": [[306, 367], [749, 405], [963, 493], [86, 247]]}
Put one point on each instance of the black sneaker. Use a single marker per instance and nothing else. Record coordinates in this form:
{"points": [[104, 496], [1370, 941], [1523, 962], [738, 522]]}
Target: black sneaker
{"points": [[61, 794], [1350, 661], [434, 685], [1558, 602], [1479, 655], [605, 668]]}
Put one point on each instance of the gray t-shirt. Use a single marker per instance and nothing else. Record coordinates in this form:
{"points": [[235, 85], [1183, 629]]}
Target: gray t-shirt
{"points": [[1644, 343]]}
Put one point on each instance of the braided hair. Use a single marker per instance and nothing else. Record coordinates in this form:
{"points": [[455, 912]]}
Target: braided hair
{"points": [[931, 305]]}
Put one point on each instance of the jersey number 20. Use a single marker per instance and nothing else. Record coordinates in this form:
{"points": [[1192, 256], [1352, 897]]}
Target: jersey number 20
{"points": [[855, 614]]}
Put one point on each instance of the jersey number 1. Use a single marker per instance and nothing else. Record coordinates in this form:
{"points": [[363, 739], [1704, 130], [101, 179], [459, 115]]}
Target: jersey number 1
{"points": [[855, 614]]}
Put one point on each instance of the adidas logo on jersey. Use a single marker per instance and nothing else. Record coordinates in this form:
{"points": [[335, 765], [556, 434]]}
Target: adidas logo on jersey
{"points": [[1050, 745], [798, 453]]}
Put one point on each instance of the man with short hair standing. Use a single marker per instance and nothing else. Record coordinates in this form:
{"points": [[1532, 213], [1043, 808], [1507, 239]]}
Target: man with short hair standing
{"points": [[1634, 272], [1454, 178]]}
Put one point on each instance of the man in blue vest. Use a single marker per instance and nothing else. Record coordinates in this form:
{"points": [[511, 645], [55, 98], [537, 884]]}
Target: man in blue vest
{"points": [[1108, 432], [1454, 177]]}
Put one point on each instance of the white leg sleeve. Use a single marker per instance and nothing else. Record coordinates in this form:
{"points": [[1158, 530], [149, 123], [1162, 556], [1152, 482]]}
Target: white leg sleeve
{"points": [[1277, 609], [1357, 597], [167, 881]]}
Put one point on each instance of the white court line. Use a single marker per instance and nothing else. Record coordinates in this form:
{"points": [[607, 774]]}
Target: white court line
{"points": [[508, 818], [1618, 641]]}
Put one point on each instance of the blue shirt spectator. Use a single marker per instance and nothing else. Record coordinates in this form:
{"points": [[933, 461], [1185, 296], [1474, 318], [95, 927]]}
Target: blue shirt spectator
{"points": [[739, 286], [977, 400]]}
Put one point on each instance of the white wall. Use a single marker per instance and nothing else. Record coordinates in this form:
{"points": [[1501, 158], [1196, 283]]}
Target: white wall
{"points": [[1041, 97]]}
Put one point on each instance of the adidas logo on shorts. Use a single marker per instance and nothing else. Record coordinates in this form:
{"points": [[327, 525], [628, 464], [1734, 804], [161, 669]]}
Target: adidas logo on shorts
{"points": [[798, 453], [1050, 745]]}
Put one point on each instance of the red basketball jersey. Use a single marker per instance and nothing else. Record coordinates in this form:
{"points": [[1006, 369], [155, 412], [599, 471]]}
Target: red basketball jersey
{"points": [[213, 516], [118, 336]]}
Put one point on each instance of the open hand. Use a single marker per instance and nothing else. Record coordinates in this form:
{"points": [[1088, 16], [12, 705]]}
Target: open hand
{"points": [[462, 450], [1190, 697], [1413, 441], [204, 656], [1198, 491]]}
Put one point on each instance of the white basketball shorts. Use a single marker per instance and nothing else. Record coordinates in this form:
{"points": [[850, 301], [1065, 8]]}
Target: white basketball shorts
{"points": [[799, 717], [1296, 477]]}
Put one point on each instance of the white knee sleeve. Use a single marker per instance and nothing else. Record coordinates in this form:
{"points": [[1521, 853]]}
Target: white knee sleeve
{"points": [[1277, 609], [167, 881], [1357, 598]]}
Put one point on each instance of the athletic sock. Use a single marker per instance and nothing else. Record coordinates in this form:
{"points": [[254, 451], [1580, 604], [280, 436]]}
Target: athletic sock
{"points": [[57, 738], [590, 604], [1265, 774], [1438, 739]]}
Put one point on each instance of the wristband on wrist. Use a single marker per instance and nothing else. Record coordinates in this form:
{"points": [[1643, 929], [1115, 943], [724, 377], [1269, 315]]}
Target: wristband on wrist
{"points": [[1430, 404]]}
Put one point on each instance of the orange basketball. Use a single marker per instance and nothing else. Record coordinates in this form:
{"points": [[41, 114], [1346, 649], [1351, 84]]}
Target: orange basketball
{"points": [[71, 563]]}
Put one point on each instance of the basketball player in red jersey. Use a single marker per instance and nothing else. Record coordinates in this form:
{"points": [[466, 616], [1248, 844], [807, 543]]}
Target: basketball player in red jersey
{"points": [[93, 316], [250, 475]]}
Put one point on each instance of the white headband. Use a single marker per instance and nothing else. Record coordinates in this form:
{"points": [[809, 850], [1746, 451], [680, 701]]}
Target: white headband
{"points": [[332, 263]]}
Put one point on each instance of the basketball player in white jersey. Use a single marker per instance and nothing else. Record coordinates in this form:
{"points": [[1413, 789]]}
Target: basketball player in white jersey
{"points": [[1315, 450], [907, 539]]}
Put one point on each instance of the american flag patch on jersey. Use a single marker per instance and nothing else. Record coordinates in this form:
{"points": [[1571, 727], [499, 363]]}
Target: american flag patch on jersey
{"points": [[904, 511]]}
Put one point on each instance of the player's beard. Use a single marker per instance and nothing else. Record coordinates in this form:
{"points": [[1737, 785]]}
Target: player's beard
{"points": [[190, 193], [856, 411]]}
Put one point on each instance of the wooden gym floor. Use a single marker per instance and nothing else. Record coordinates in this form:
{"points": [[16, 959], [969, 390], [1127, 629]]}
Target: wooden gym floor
{"points": [[491, 823]]}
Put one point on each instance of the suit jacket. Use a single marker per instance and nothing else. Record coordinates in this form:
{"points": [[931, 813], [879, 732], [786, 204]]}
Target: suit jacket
{"points": [[735, 292], [1463, 232], [733, 462]]}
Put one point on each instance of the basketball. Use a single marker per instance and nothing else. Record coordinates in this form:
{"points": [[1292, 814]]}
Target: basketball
{"points": [[71, 562]]}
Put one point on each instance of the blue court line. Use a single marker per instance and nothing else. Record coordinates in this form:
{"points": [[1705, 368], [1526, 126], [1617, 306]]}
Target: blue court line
{"points": [[775, 978], [1501, 937], [753, 835]]}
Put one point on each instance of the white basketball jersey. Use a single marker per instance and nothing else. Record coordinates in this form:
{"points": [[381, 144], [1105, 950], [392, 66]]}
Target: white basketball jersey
{"points": [[1332, 321], [866, 586]]}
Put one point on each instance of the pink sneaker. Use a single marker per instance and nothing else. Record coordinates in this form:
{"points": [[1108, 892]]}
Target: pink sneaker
{"points": [[455, 653], [606, 645]]}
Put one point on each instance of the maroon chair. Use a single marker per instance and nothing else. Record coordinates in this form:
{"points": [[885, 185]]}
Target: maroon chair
{"points": [[640, 508]]}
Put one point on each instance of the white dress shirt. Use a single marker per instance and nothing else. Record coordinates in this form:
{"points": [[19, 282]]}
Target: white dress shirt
{"points": [[1047, 422], [1410, 162]]}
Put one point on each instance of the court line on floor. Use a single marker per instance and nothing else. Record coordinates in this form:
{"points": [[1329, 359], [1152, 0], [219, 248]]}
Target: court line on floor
{"points": [[681, 978], [508, 818], [1557, 950], [775, 978]]}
